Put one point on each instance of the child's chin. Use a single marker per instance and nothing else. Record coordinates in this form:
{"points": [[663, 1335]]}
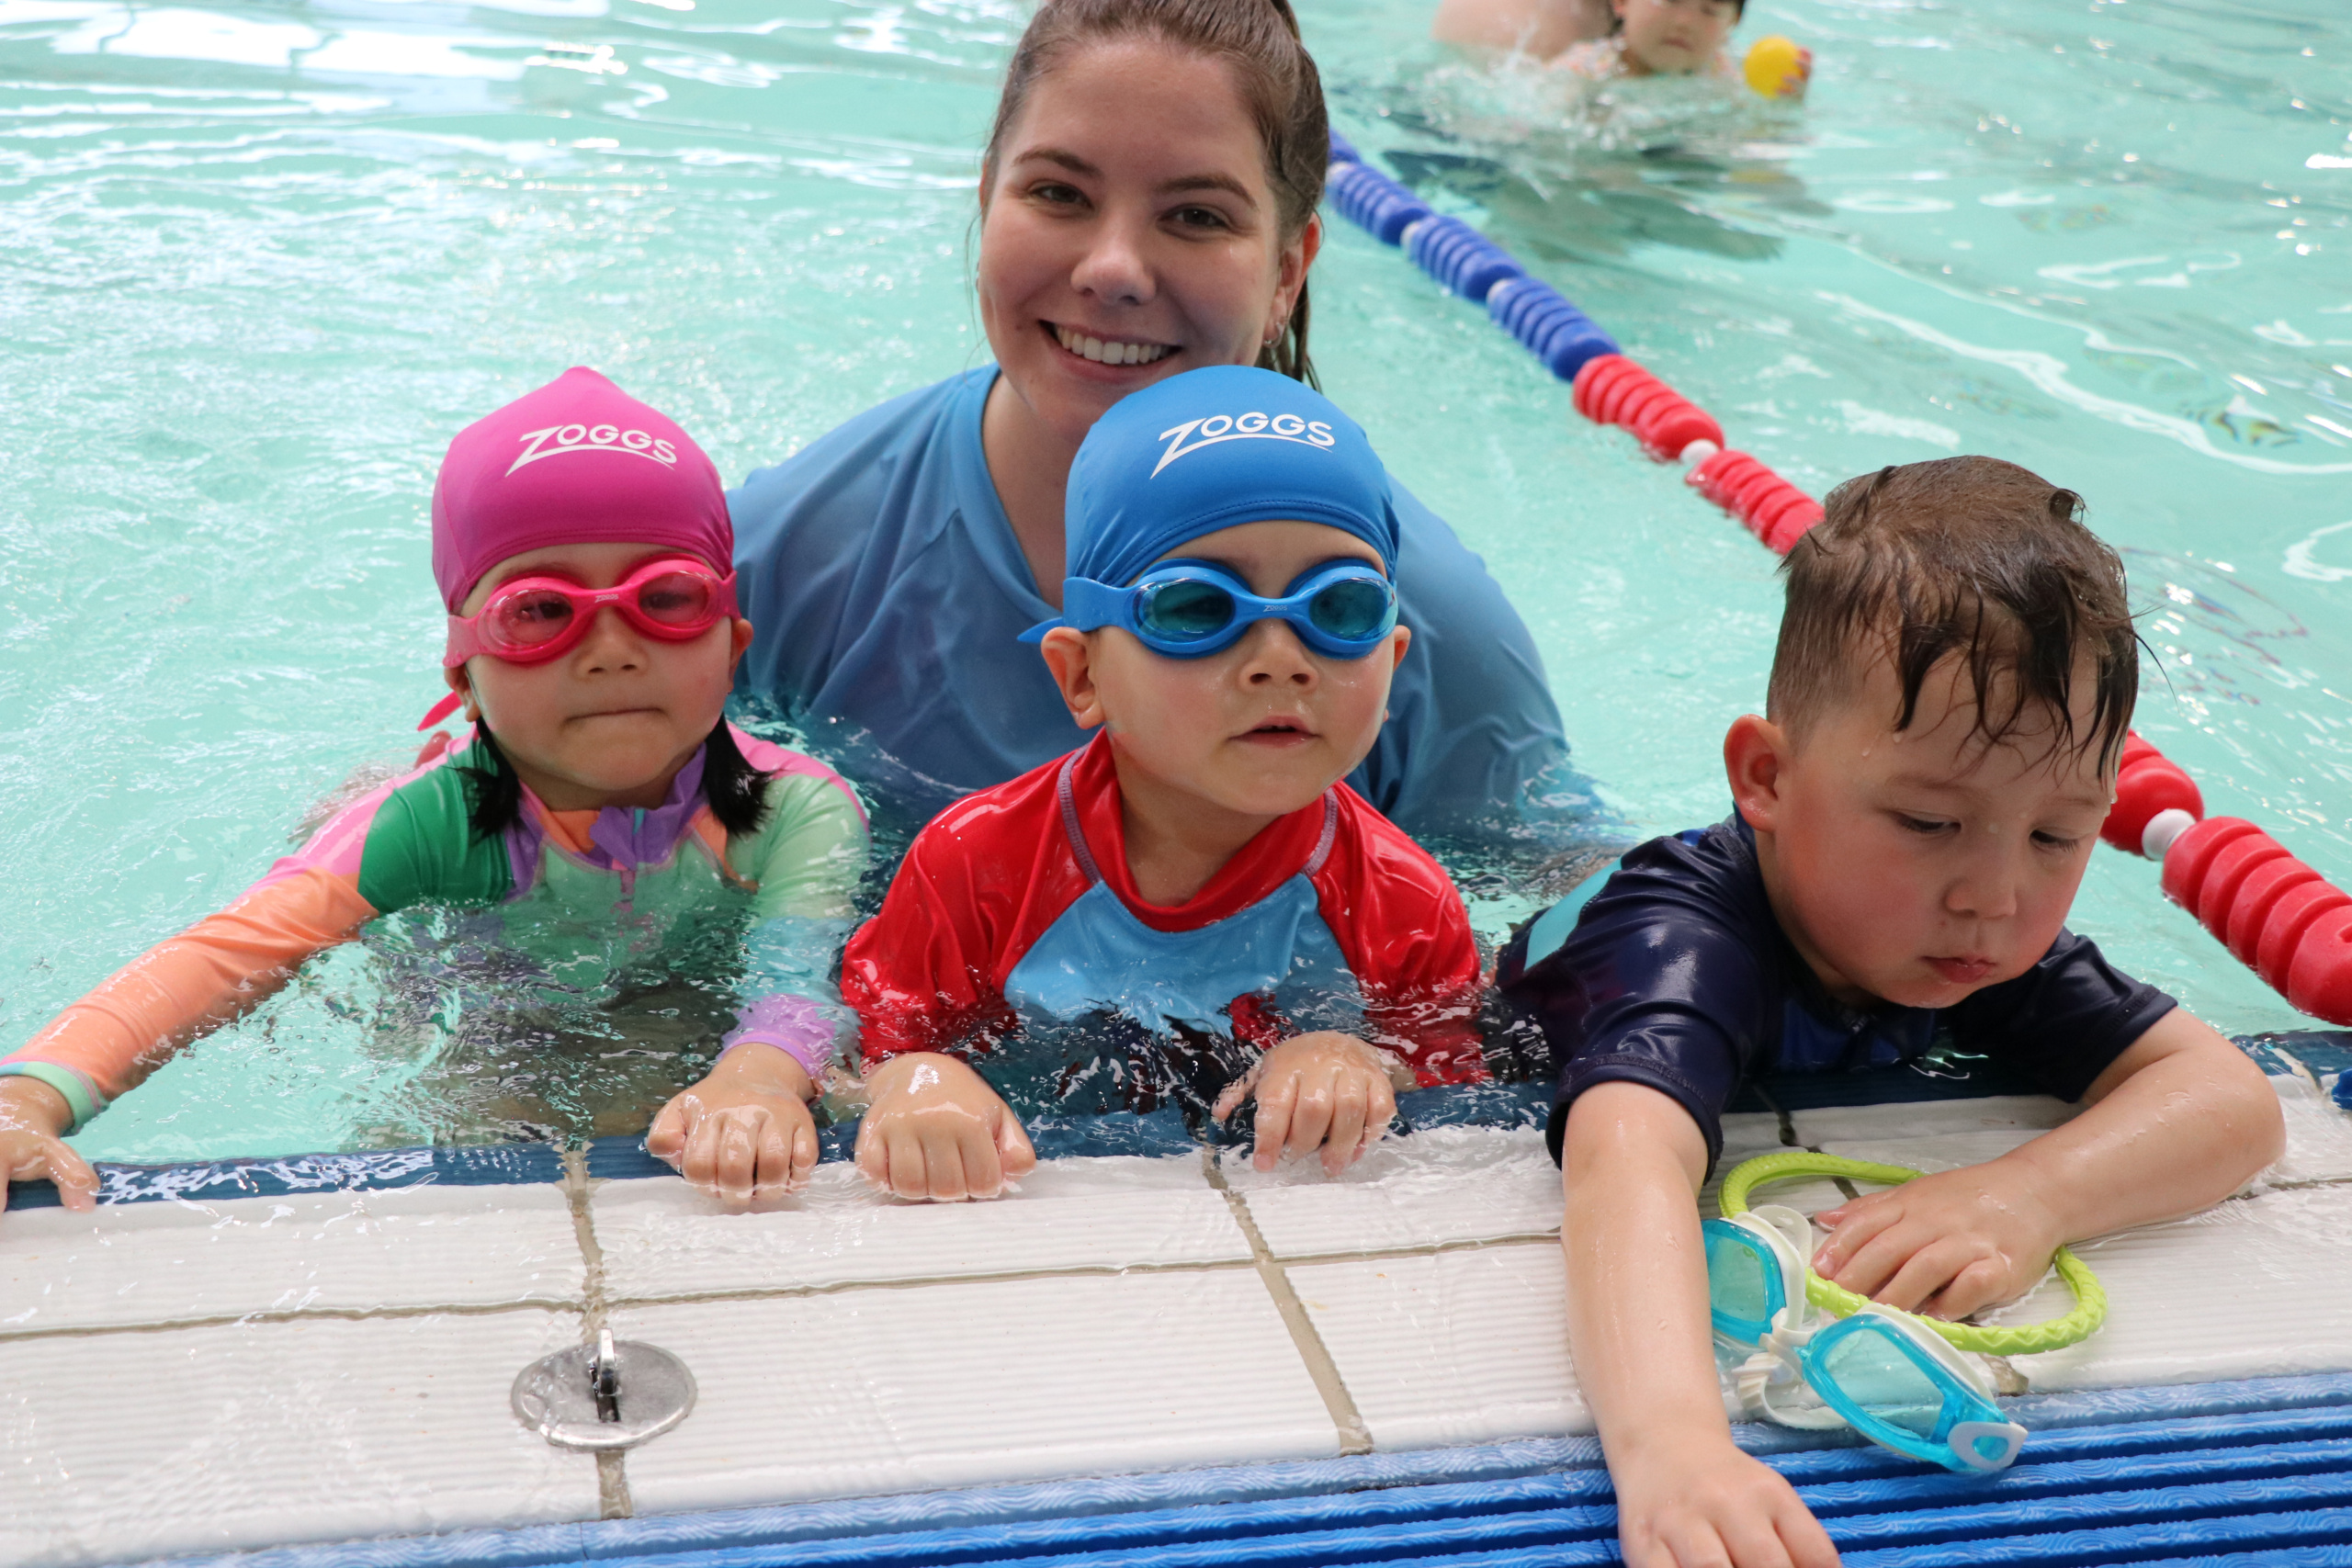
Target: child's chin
{"points": [[1275, 795]]}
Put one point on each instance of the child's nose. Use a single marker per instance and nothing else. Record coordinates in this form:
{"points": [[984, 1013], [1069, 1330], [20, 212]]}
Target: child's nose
{"points": [[1987, 887], [1272, 655], [611, 645]]}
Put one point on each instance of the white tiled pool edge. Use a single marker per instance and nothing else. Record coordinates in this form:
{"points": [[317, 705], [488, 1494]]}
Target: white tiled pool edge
{"points": [[1116, 1316]]}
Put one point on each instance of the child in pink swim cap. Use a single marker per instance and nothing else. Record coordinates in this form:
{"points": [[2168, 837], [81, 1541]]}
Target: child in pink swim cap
{"points": [[582, 550]]}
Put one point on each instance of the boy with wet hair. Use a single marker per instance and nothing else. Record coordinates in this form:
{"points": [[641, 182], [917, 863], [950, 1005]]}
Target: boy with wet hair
{"points": [[1955, 673]]}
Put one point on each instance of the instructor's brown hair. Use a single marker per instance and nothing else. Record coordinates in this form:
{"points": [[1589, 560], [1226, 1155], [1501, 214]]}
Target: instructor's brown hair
{"points": [[1970, 556], [1277, 79]]}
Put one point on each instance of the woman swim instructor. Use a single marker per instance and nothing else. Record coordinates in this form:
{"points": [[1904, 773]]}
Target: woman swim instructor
{"points": [[1147, 207]]}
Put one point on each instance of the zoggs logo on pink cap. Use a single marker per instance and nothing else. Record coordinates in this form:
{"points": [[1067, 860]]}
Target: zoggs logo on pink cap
{"points": [[499, 494], [556, 441]]}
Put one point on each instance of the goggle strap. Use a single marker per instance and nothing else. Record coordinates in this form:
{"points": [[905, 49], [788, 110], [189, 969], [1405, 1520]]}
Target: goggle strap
{"points": [[1771, 1368]]}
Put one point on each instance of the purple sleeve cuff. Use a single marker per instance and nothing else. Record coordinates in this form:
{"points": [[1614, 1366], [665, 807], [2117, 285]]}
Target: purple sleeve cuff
{"points": [[804, 1030]]}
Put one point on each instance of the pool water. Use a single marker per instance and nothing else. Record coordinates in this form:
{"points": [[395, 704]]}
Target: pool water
{"points": [[261, 260]]}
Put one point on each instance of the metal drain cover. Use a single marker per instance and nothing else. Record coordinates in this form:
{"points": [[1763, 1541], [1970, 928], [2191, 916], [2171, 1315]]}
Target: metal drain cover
{"points": [[615, 1394]]}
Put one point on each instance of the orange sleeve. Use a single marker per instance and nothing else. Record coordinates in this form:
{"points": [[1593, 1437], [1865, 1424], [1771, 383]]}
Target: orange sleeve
{"points": [[130, 1023]]}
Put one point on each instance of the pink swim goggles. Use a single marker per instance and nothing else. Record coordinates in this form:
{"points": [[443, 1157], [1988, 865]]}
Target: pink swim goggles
{"points": [[531, 620]]}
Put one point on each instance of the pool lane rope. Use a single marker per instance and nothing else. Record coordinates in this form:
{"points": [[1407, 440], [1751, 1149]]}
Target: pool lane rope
{"points": [[2281, 918]]}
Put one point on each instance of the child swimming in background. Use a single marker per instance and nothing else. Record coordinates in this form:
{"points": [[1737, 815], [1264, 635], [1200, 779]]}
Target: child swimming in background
{"points": [[1955, 673], [582, 550], [1198, 871], [1660, 37], [1603, 40]]}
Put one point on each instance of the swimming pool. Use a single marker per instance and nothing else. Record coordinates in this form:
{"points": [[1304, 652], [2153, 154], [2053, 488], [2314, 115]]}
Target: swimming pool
{"points": [[262, 259]]}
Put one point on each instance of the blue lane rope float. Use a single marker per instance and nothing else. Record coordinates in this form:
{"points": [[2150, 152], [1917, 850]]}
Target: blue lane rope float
{"points": [[1467, 262]]}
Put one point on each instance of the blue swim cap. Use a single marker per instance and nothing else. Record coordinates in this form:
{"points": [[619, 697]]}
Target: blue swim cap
{"points": [[1211, 449]]}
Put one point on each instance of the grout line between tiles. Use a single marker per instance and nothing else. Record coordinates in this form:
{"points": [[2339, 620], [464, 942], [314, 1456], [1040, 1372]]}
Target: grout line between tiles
{"points": [[1425, 1249], [595, 1311], [924, 1281], [612, 1464], [290, 1314], [1355, 1437]]}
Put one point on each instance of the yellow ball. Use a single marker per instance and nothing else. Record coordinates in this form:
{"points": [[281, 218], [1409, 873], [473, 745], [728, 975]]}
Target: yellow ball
{"points": [[1776, 67]]}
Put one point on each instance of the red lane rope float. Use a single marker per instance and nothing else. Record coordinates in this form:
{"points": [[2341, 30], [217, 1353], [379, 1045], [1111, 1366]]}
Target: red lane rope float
{"points": [[1614, 389], [2148, 785], [1772, 508], [2278, 915]]}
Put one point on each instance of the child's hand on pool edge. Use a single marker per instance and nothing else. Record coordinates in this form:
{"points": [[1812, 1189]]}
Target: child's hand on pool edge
{"points": [[1324, 1090], [1946, 1244], [32, 1117], [1694, 1500], [743, 1134], [935, 1130]]}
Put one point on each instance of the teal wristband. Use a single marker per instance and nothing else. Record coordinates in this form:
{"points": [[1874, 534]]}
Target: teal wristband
{"points": [[80, 1097]]}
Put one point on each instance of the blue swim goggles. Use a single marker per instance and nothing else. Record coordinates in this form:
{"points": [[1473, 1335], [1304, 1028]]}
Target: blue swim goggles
{"points": [[1879, 1371], [1189, 609], [1899, 1380]]}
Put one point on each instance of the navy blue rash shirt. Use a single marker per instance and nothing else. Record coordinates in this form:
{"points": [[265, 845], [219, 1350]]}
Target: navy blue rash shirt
{"points": [[1677, 976]]}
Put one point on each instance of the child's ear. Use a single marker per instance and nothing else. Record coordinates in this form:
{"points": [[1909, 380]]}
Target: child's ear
{"points": [[1069, 655], [740, 645], [1755, 758], [464, 687]]}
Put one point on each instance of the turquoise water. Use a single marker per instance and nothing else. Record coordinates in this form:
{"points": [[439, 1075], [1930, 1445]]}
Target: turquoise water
{"points": [[257, 262]]}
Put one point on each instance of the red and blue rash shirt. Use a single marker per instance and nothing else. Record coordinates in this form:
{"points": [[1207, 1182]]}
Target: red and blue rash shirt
{"points": [[1016, 904]]}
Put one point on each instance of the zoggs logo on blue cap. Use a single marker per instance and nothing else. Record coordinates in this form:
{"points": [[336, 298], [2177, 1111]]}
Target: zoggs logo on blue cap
{"points": [[1194, 434]]}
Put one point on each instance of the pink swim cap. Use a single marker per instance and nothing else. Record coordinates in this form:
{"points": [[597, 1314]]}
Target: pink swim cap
{"points": [[579, 462]]}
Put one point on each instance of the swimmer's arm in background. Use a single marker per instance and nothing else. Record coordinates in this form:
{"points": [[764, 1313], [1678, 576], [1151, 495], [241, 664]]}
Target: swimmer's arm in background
{"points": [[744, 1134], [1538, 28]]}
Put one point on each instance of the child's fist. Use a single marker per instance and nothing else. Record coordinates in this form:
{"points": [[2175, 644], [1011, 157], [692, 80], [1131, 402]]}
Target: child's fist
{"points": [[1326, 1090], [936, 1130], [743, 1135]]}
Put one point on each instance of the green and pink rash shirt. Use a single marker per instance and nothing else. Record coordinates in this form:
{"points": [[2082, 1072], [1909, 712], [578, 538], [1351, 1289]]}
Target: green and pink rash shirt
{"points": [[615, 880]]}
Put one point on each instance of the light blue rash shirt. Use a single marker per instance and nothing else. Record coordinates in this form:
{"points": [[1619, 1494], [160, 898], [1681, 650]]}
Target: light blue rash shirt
{"points": [[887, 589]]}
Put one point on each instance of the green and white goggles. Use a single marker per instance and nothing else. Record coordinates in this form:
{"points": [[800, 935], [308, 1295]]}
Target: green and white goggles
{"points": [[1883, 1372]]}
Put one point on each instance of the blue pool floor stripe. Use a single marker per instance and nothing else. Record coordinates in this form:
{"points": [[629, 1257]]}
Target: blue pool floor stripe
{"points": [[2252, 1472]]}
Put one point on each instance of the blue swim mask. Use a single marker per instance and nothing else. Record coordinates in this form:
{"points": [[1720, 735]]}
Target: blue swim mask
{"points": [[1189, 609], [1898, 1379]]}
